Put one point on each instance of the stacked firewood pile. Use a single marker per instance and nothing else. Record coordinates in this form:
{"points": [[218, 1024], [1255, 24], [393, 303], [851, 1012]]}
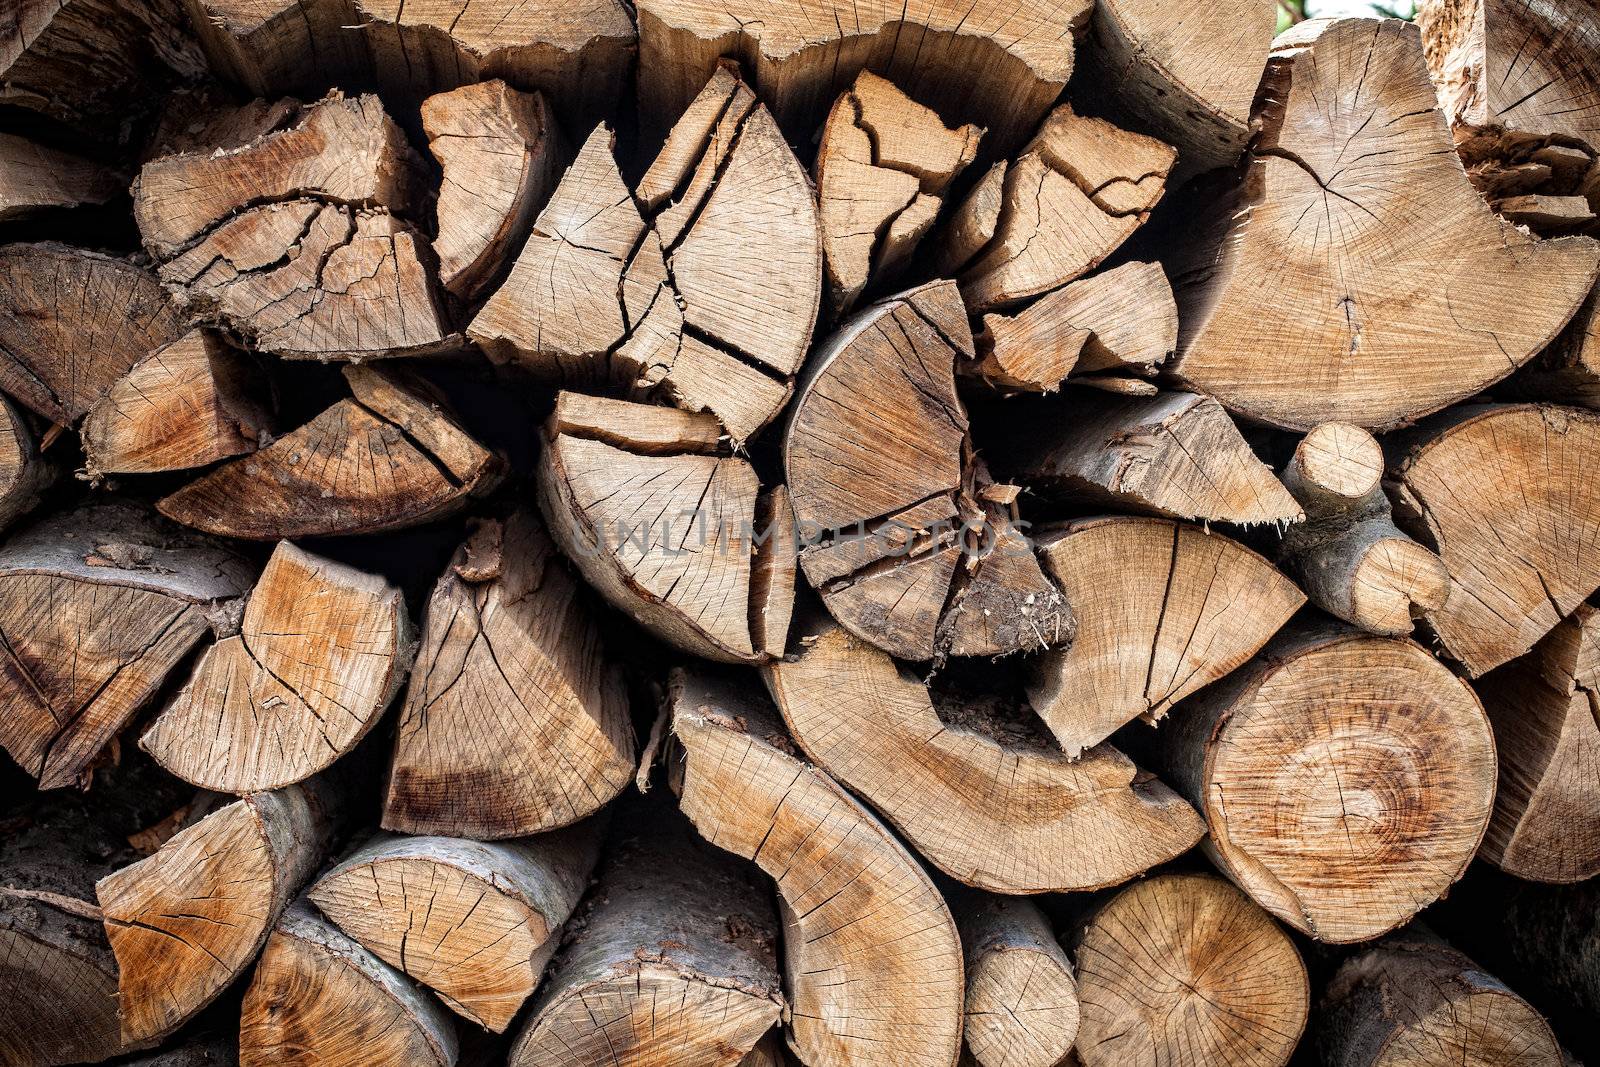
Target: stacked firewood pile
{"points": [[843, 534]]}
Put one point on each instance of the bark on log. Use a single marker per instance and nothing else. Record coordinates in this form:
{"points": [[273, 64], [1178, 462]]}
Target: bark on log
{"points": [[990, 808], [36, 178], [1184, 970], [24, 472], [863, 925], [1022, 999], [1163, 609], [515, 722]]}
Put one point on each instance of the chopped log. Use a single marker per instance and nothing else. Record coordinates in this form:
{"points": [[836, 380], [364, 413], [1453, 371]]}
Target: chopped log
{"points": [[672, 960], [1349, 556], [322, 650], [1503, 494], [99, 605], [1546, 213], [1184, 969], [882, 168], [1022, 999], [500, 150], [475, 922], [515, 722], [72, 323], [1397, 290], [1413, 1000], [319, 998], [1346, 779], [208, 117], [664, 526], [991, 809], [319, 480], [24, 472], [1568, 372], [187, 404], [768, 1052], [863, 925], [1163, 609], [35, 178]]}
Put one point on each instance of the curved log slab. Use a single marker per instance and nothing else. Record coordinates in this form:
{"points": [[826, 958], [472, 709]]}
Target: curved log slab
{"points": [[24, 473], [35, 179], [863, 925], [515, 722], [1184, 969], [1022, 999]]}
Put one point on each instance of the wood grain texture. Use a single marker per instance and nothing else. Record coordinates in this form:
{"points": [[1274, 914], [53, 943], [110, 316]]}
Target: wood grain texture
{"points": [[36, 178], [24, 472], [1022, 998]]}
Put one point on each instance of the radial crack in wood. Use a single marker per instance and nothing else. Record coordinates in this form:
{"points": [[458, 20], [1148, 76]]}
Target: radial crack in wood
{"points": [[1022, 999], [35, 179]]}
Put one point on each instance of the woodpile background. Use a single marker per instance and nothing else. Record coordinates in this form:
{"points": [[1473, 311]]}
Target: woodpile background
{"points": [[673, 534]]}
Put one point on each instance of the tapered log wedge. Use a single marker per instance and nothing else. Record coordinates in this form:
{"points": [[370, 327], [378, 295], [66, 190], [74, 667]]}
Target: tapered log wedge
{"points": [[1413, 1000], [1389, 305], [1002, 814], [863, 925], [1568, 372], [1503, 495], [24, 472], [1346, 779], [99, 605], [514, 722], [319, 998], [769, 1052], [319, 479], [35, 178], [1187, 607], [1022, 999], [477, 922], [1545, 213], [666, 527], [1184, 969]]}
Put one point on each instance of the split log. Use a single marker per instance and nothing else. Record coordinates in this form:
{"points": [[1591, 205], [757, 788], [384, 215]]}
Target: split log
{"points": [[72, 323], [863, 925], [990, 804], [1568, 372], [322, 650], [1350, 557], [913, 547], [514, 723], [882, 169], [475, 922], [1389, 304], [188, 404], [319, 998], [672, 960], [24, 472], [769, 1052], [1163, 609], [1022, 999], [1503, 494], [99, 605], [319, 480], [666, 527], [35, 178], [206, 1046], [1346, 779], [208, 117], [1183, 969], [1546, 213]]}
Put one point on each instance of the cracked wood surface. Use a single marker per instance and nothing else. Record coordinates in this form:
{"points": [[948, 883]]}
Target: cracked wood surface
{"points": [[24, 472], [35, 179], [1022, 999]]}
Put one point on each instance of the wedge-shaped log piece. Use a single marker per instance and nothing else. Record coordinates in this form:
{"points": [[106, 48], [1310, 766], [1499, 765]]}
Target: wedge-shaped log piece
{"points": [[320, 479], [24, 472], [1568, 372], [1163, 609], [863, 925], [98, 606], [1185, 969], [1022, 999], [1346, 779], [36, 178], [320, 999], [1504, 495], [769, 1052], [1397, 291], [1546, 213]]}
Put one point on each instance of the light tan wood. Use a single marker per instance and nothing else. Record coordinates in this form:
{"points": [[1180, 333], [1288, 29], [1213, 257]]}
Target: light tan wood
{"points": [[35, 179], [1568, 372], [1546, 213], [1022, 999], [24, 472]]}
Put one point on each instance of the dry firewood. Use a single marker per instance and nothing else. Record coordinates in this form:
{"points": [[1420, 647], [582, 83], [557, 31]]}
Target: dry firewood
{"points": [[863, 925], [187, 404], [1352, 560], [1505, 495], [1568, 372], [35, 178], [1077, 191], [1022, 999], [667, 527], [500, 150], [320, 479], [73, 322], [1183, 969], [98, 606], [672, 960], [1413, 1001], [322, 650], [990, 808], [1177, 454], [1546, 213], [208, 117], [1336, 812], [514, 722], [24, 472], [882, 168], [916, 548], [475, 921], [1186, 606], [1397, 291], [321, 1000], [768, 1052]]}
